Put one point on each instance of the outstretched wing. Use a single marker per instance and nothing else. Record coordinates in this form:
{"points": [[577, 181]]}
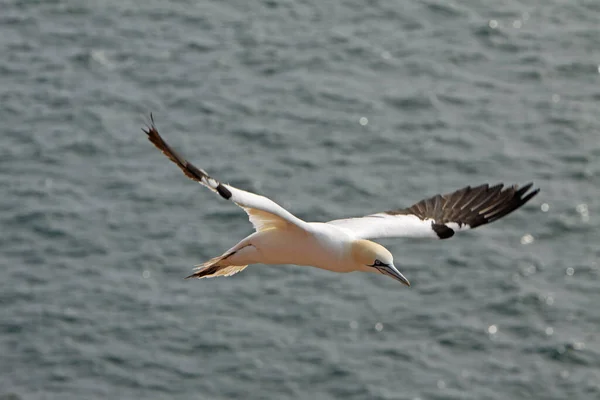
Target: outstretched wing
{"points": [[442, 215], [262, 212]]}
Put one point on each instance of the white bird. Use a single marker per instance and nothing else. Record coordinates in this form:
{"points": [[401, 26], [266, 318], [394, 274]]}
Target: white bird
{"points": [[342, 245]]}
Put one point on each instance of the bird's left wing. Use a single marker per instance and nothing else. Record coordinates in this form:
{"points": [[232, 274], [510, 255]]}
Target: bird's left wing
{"points": [[441, 216], [263, 212]]}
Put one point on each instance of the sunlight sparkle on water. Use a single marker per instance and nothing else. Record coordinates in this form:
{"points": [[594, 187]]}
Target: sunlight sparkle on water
{"points": [[363, 121], [527, 239], [492, 329], [100, 57], [493, 24], [583, 210]]}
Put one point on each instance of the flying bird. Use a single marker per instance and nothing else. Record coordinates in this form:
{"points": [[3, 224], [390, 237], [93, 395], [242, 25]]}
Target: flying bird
{"points": [[343, 245]]}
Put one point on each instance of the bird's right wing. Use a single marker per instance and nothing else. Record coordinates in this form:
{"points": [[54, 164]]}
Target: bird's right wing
{"points": [[441, 216], [263, 213]]}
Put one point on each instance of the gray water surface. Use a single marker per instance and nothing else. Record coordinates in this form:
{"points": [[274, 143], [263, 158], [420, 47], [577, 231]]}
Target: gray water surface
{"points": [[332, 109]]}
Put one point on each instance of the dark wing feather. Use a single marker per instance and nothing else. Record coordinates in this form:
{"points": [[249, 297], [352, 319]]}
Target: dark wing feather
{"points": [[263, 212], [189, 169], [469, 206]]}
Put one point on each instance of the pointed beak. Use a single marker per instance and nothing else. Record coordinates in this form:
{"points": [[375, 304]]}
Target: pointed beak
{"points": [[392, 271]]}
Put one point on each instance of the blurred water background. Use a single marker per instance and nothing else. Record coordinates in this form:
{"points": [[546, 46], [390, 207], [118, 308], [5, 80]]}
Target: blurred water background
{"points": [[333, 109]]}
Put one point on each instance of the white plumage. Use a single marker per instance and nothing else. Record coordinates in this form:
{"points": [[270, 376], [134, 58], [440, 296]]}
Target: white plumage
{"points": [[342, 245]]}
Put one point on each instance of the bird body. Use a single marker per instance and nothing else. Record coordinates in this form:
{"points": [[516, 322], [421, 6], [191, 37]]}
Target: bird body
{"points": [[343, 245], [321, 246]]}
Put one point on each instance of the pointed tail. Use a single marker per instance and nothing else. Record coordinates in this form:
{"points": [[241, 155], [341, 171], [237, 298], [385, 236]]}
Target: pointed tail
{"points": [[211, 268]]}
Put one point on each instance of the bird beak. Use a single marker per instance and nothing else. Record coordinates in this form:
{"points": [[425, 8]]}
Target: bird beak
{"points": [[390, 270]]}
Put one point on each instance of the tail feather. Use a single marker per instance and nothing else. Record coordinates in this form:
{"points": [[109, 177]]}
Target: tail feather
{"points": [[216, 270], [211, 268], [212, 261]]}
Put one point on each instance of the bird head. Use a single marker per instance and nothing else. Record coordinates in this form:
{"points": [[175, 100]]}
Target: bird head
{"points": [[375, 257]]}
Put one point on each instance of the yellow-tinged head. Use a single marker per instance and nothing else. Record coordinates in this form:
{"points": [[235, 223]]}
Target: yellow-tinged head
{"points": [[373, 255], [367, 253]]}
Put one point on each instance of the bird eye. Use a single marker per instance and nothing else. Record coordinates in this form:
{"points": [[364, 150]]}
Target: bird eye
{"points": [[377, 262]]}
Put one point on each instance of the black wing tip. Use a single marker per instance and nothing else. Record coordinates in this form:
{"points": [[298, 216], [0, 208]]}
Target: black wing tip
{"points": [[524, 194], [189, 169], [154, 136], [501, 185], [150, 128], [519, 197], [518, 190], [472, 205]]}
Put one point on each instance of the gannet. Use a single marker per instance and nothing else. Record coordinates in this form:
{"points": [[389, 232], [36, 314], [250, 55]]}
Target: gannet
{"points": [[343, 245]]}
